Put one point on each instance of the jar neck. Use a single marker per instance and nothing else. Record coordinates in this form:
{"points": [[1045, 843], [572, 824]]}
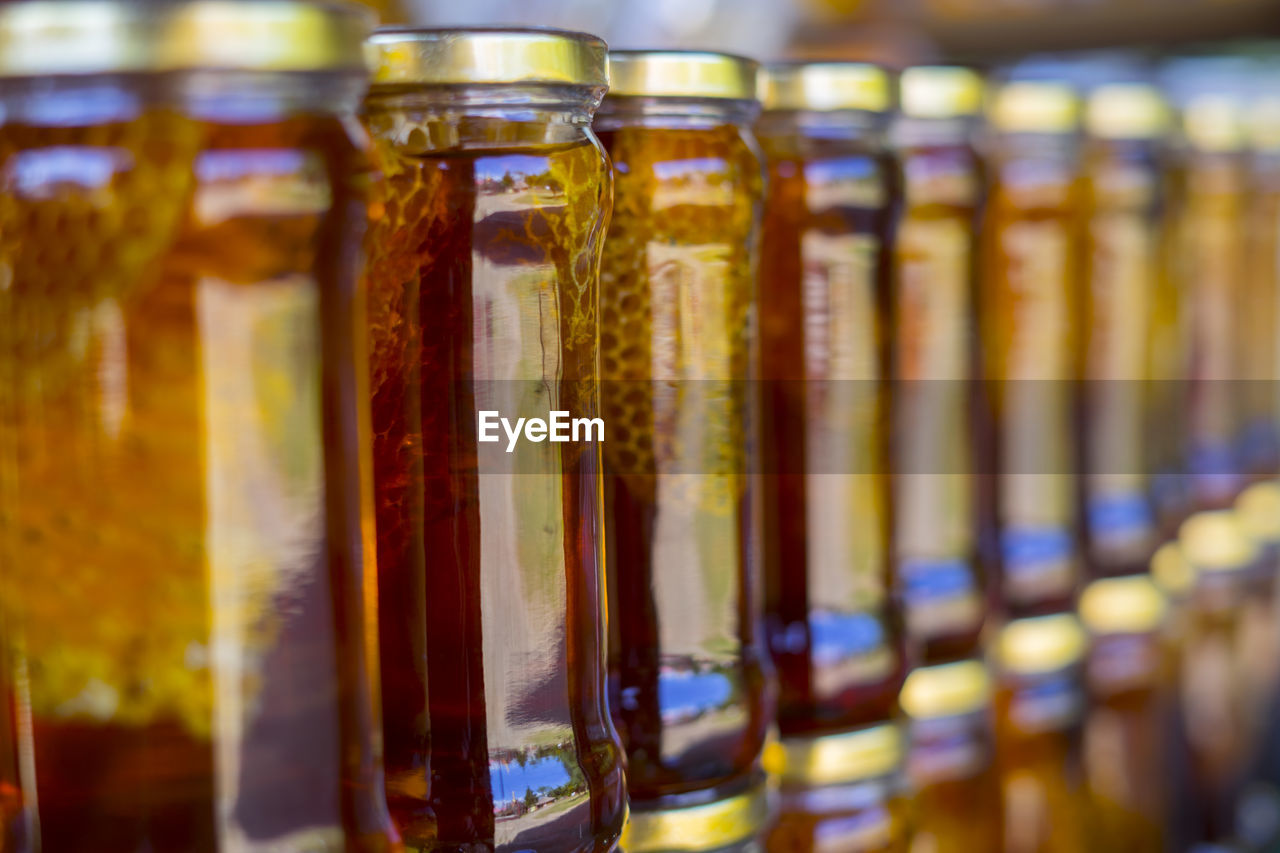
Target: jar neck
{"points": [[616, 112], [914, 132], [234, 97], [836, 125]]}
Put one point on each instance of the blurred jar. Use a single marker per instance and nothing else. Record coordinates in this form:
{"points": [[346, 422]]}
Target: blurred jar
{"points": [[1129, 675], [1040, 706], [824, 278], [1121, 167], [483, 281], [1216, 693], [1026, 303], [1210, 238], [1260, 325], [956, 804], [1258, 509], [688, 667], [844, 793], [936, 570], [181, 444]]}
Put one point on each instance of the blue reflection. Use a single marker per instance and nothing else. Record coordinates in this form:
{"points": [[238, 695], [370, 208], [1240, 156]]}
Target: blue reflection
{"points": [[686, 695], [236, 164], [1033, 546], [837, 636], [842, 169], [510, 779], [691, 167], [509, 170], [38, 173]]}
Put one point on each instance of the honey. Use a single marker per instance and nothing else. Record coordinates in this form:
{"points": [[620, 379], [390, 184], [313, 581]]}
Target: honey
{"points": [[687, 663], [483, 274], [183, 355]]}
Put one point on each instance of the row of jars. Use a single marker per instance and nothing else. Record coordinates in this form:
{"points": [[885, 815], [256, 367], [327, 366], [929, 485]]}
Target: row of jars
{"points": [[588, 415]]}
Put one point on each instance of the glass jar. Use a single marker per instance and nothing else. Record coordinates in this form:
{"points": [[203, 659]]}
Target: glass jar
{"points": [[936, 568], [483, 280], [824, 278], [1026, 305], [1129, 676], [182, 438], [956, 805], [1258, 510], [843, 793], [689, 674], [1040, 704], [1211, 269], [1122, 174]]}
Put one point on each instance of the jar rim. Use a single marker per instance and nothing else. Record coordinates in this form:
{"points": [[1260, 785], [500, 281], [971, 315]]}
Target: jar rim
{"points": [[826, 86], [402, 55], [82, 37], [682, 74]]}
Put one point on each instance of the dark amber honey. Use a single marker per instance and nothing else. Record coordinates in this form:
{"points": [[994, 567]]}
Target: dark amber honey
{"points": [[483, 275], [181, 450]]}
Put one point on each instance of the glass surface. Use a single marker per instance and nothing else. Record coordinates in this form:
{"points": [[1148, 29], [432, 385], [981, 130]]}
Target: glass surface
{"points": [[483, 276], [824, 277], [1259, 354], [1029, 339], [865, 817], [687, 662], [956, 799], [183, 594], [937, 573]]}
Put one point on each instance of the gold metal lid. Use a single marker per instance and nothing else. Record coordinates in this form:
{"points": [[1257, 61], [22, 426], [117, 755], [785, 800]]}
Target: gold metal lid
{"points": [[842, 758], [1041, 644], [681, 74], [946, 690], [1214, 123], [698, 828], [1035, 106], [1125, 605], [1171, 569], [1217, 542], [73, 37], [1259, 510], [417, 56], [1126, 111], [941, 91], [1264, 123], [826, 86]]}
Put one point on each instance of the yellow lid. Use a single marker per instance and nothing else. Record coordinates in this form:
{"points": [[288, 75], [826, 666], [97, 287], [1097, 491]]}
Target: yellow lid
{"points": [[941, 91], [1217, 541], [946, 690], [73, 37], [1126, 111], [1034, 106], [1126, 605], [410, 55], [681, 74], [1264, 123], [826, 86], [1259, 509], [697, 828], [1214, 123], [841, 758], [1041, 644], [1171, 570]]}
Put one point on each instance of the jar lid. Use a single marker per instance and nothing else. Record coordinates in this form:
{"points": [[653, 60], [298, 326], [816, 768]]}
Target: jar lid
{"points": [[418, 56], [1123, 605], [74, 37], [941, 91], [1214, 123], [681, 74], [1171, 570], [1259, 509], [1126, 111], [1035, 106], [1264, 123], [840, 759], [706, 827], [1217, 542], [946, 690], [826, 86], [1041, 644]]}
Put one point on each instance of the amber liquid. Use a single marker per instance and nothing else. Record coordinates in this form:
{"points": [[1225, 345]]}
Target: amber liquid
{"points": [[937, 560], [824, 276], [687, 665], [1028, 333], [956, 805], [482, 281], [1259, 354], [182, 593], [1121, 269], [867, 817]]}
